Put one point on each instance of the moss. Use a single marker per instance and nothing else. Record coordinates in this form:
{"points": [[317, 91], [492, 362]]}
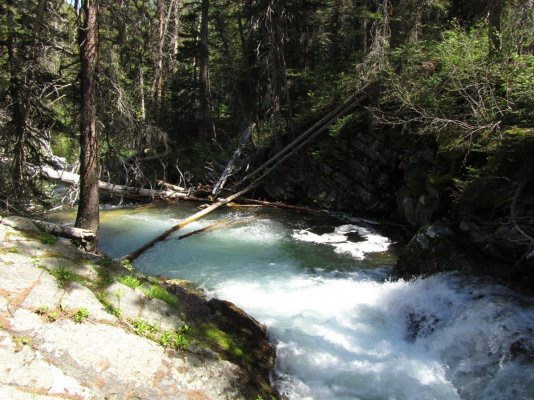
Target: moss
{"points": [[13, 250], [158, 292], [217, 339], [105, 277], [110, 308]]}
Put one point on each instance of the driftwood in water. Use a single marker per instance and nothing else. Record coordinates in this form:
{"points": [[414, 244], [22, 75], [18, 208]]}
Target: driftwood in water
{"points": [[224, 222], [277, 204], [133, 255], [206, 228], [121, 190], [230, 166], [265, 168]]}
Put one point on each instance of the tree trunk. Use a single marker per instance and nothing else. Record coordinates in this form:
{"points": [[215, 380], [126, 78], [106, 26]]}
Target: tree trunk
{"points": [[206, 129], [19, 100], [158, 83], [277, 68], [494, 26], [88, 214]]}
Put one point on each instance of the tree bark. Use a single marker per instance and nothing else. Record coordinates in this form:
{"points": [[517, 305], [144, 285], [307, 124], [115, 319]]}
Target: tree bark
{"points": [[230, 166], [494, 26], [206, 129], [19, 99], [170, 193], [279, 87], [88, 213]]}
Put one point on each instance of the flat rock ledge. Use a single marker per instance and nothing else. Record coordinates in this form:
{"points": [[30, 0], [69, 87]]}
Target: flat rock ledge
{"points": [[78, 326]]}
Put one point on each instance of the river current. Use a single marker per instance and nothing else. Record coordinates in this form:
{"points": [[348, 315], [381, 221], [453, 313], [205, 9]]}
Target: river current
{"points": [[343, 328]]}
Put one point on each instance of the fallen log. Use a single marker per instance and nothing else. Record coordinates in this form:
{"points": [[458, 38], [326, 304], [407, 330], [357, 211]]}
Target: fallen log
{"points": [[206, 228], [84, 236], [120, 190], [170, 186], [224, 222], [278, 204], [133, 255], [265, 168], [230, 166], [319, 127]]}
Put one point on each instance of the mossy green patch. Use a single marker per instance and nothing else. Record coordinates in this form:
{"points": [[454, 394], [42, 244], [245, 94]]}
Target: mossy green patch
{"points": [[105, 277], [48, 238], [158, 292], [65, 277], [130, 281], [13, 250], [110, 308], [217, 339]]}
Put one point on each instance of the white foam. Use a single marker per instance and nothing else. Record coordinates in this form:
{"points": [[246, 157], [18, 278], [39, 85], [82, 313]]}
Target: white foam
{"points": [[426, 339], [372, 242], [351, 335]]}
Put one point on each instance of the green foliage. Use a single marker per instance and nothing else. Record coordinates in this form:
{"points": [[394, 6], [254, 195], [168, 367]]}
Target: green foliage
{"points": [[168, 338], [65, 146], [52, 316], [453, 88], [145, 329], [65, 277], [507, 164], [21, 341], [48, 238], [158, 292], [80, 315], [110, 308], [130, 281]]}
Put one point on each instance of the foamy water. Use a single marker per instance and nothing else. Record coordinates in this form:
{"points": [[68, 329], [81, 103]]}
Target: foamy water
{"points": [[343, 330]]}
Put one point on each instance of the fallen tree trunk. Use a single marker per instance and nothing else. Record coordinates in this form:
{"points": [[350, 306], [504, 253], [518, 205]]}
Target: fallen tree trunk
{"points": [[120, 190], [84, 236], [133, 255], [170, 186], [266, 168], [230, 166], [277, 204], [318, 127]]}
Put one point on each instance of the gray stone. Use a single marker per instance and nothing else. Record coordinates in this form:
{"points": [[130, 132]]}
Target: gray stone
{"points": [[133, 304], [17, 273], [20, 223], [78, 296]]}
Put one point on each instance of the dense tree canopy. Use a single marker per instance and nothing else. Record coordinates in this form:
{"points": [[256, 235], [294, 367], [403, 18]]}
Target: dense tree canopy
{"points": [[179, 80]]}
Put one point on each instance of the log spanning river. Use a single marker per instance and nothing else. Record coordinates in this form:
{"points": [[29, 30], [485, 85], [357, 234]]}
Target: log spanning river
{"points": [[343, 328]]}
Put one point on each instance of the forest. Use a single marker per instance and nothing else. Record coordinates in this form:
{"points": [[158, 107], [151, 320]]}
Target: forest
{"points": [[139, 92], [267, 199]]}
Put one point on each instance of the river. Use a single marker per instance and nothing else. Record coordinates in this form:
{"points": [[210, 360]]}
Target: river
{"points": [[344, 329]]}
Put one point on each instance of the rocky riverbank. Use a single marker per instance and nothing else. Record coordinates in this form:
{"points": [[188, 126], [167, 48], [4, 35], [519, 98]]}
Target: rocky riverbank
{"points": [[80, 326]]}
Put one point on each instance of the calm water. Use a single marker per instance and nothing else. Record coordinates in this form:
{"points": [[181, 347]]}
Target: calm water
{"points": [[343, 329]]}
